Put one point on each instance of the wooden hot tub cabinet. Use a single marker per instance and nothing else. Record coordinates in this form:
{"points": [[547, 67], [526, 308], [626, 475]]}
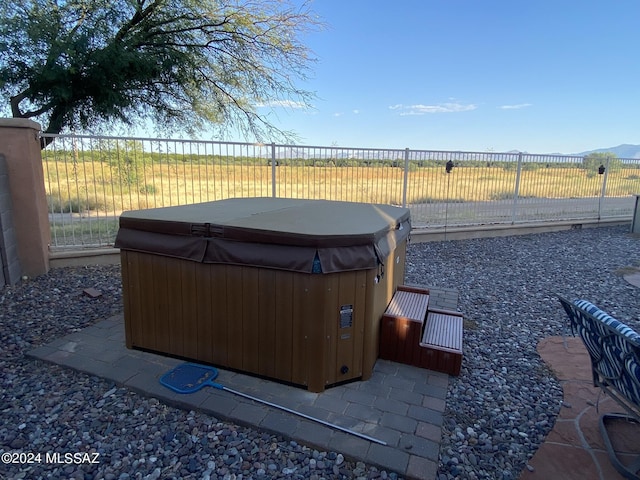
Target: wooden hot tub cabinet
{"points": [[288, 289]]}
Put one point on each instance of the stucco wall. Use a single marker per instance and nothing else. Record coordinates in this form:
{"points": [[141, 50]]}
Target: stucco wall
{"points": [[10, 270], [27, 219]]}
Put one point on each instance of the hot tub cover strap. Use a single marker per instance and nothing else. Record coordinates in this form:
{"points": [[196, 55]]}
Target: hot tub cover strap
{"points": [[283, 257], [210, 242]]}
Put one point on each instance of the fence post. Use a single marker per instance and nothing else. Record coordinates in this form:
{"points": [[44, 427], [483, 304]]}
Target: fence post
{"points": [[516, 193], [20, 145], [273, 170], [405, 182], [604, 188]]}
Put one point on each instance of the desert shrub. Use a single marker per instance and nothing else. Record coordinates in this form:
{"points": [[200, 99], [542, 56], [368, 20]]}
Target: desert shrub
{"points": [[148, 189], [504, 195], [74, 204], [530, 167], [437, 200]]}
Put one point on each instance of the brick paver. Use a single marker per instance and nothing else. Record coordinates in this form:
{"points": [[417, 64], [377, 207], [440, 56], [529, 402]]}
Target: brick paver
{"points": [[400, 407]]}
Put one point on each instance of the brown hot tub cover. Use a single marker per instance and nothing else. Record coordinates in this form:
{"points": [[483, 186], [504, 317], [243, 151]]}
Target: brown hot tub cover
{"points": [[287, 234]]}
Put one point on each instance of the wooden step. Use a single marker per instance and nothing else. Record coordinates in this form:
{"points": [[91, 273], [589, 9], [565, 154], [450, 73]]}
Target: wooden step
{"points": [[401, 325], [408, 304], [442, 342], [414, 334]]}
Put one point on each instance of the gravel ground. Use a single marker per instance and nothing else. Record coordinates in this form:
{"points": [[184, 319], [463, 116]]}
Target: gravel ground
{"points": [[505, 400], [498, 410]]}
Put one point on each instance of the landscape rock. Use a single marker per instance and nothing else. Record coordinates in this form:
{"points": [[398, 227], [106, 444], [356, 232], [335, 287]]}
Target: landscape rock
{"points": [[498, 411]]}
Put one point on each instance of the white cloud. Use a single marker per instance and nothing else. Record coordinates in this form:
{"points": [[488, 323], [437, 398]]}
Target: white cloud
{"points": [[515, 107], [282, 103], [340, 114], [439, 108]]}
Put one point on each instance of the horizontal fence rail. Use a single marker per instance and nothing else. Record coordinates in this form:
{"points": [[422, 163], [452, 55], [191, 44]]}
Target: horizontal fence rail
{"points": [[91, 180]]}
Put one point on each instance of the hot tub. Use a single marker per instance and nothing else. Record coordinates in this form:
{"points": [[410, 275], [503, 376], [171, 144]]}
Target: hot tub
{"points": [[288, 289]]}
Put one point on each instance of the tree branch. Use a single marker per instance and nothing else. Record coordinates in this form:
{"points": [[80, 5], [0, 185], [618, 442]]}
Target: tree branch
{"points": [[15, 104], [138, 17]]}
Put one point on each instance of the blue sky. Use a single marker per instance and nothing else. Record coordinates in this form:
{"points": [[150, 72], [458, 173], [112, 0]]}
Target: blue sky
{"points": [[538, 76]]}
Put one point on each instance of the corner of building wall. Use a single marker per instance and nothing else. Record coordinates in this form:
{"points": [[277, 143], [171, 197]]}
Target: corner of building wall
{"points": [[20, 148], [10, 270]]}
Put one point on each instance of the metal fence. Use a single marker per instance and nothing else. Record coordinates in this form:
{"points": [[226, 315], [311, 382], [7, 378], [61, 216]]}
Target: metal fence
{"points": [[90, 180]]}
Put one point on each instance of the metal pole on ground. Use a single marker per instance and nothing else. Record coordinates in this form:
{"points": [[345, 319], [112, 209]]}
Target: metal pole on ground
{"points": [[603, 170], [516, 192]]}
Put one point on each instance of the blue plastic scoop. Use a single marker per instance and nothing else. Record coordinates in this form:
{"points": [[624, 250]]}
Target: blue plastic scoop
{"points": [[191, 377]]}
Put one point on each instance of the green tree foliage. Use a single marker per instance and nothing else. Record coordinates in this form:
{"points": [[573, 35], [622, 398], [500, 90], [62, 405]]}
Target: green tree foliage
{"points": [[592, 162], [185, 63]]}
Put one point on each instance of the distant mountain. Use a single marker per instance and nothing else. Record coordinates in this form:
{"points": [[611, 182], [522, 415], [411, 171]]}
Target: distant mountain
{"points": [[621, 151]]}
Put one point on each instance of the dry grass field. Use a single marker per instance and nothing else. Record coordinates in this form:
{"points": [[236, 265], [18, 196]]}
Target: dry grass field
{"points": [[101, 190], [95, 186]]}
